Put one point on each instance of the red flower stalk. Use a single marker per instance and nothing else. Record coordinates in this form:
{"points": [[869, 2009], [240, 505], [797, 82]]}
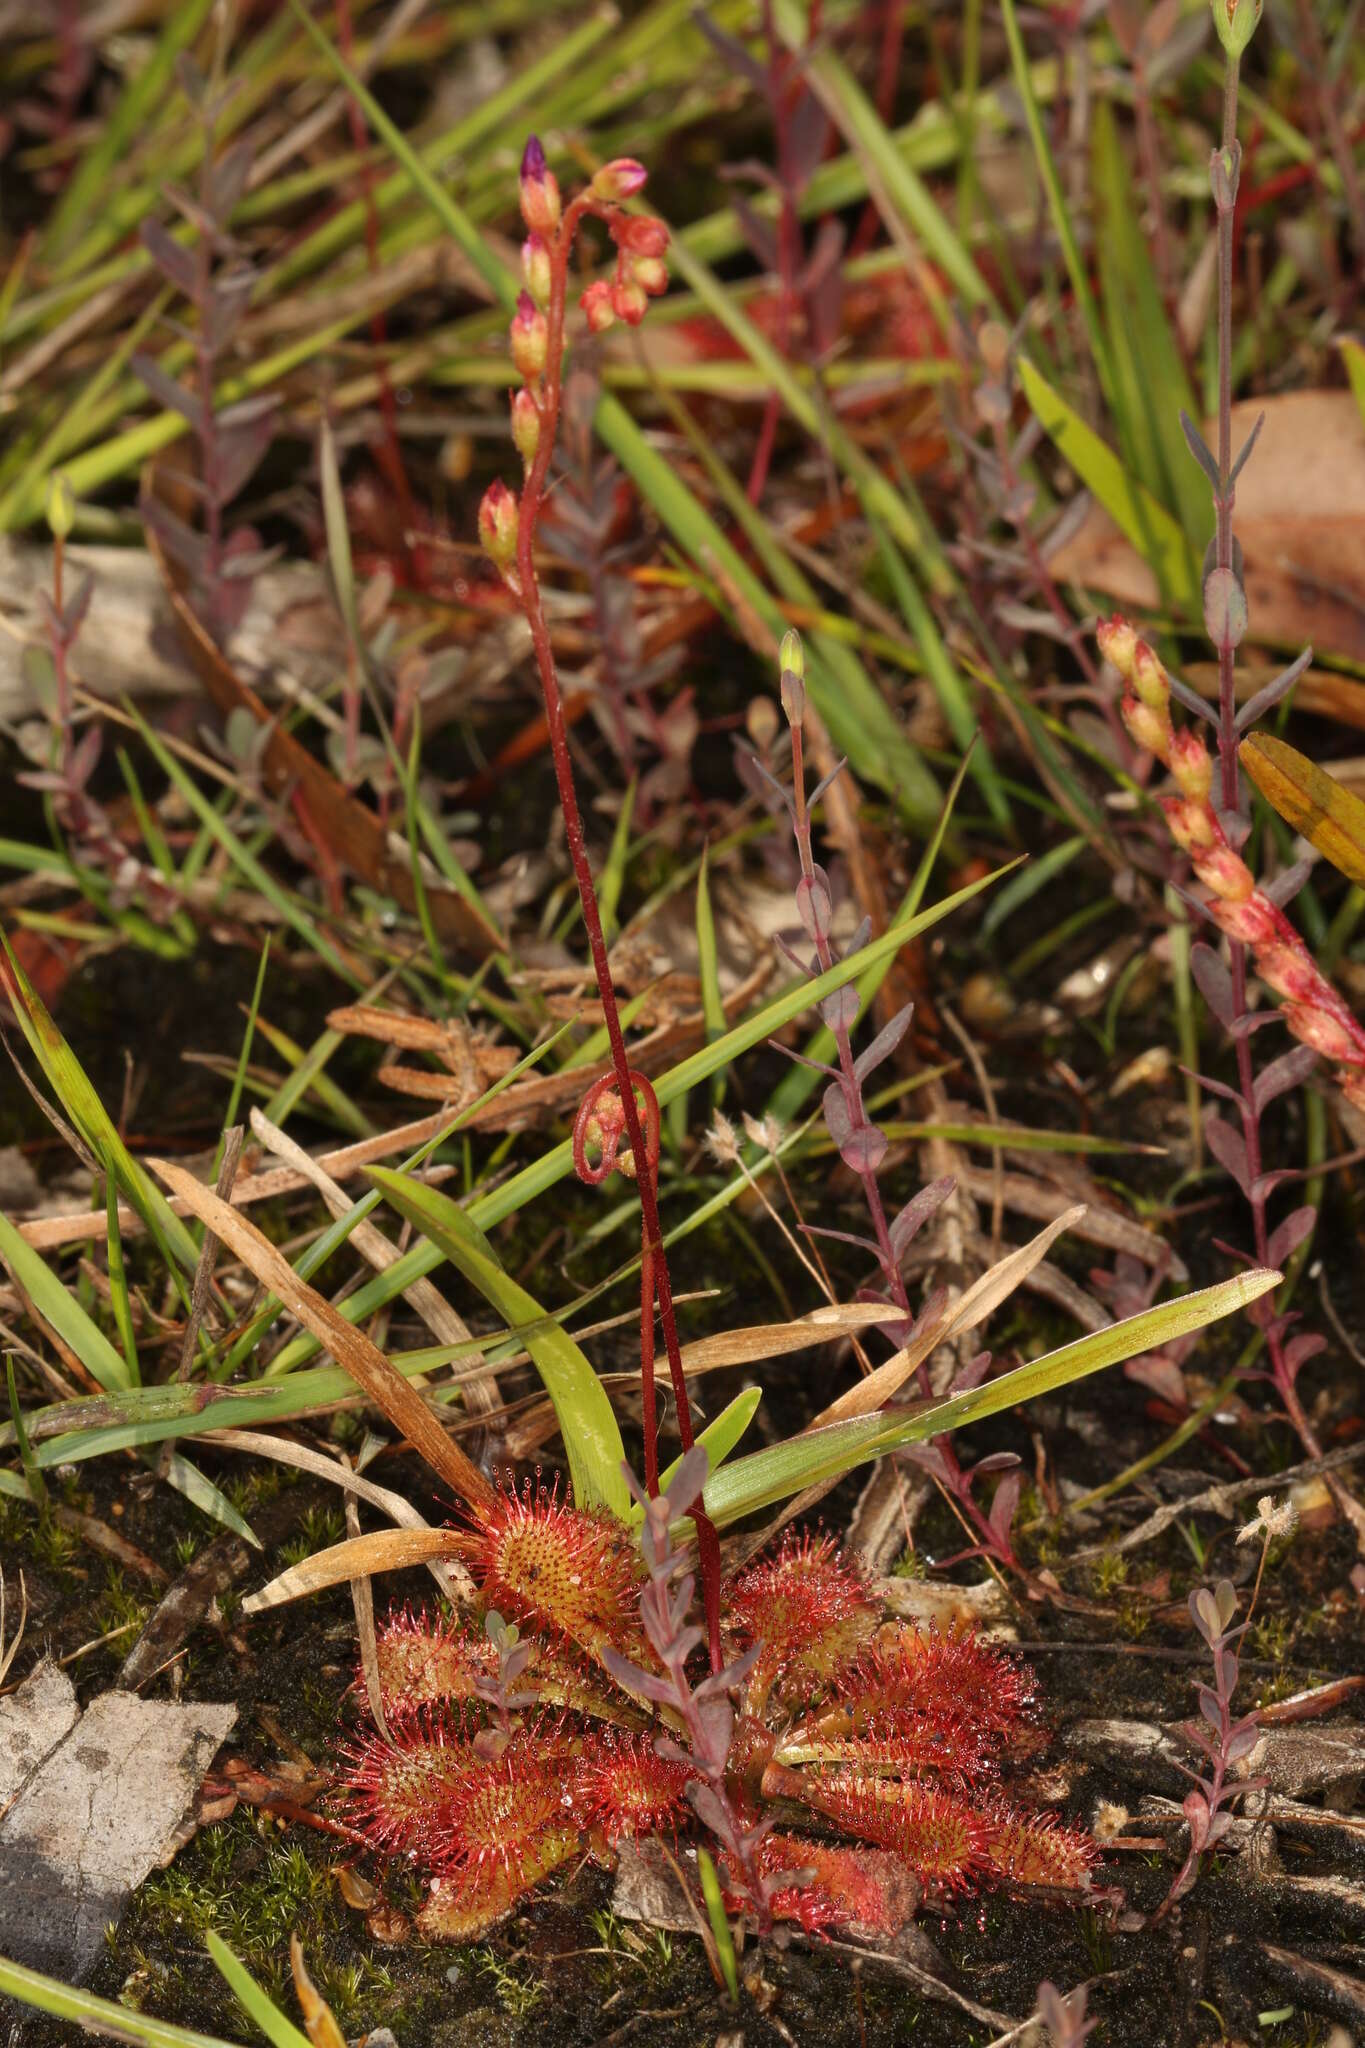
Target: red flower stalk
{"points": [[537, 339]]}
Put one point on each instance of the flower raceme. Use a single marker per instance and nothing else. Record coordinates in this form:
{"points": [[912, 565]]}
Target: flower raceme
{"points": [[1313, 1010]]}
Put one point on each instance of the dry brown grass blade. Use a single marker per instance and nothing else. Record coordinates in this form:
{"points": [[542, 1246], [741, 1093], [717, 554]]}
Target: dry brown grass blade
{"points": [[970, 1308], [351, 1348], [318, 2017], [383, 1550], [46, 1232], [771, 1340], [446, 1326]]}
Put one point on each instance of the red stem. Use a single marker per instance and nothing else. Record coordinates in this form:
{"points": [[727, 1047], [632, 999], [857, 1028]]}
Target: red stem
{"points": [[655, 1281]]}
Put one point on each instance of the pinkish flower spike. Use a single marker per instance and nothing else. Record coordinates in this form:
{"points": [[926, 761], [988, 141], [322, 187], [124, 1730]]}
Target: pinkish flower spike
{"points": [[535, 268], [596, 305], [1316, 1028], [629, 303], [530, 337], [621, 179], [1118, 643], [540, 205]]}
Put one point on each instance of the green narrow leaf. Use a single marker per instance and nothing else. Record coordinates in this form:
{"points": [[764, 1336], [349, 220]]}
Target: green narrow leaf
{"points": [[1148, 525], [69, 1083], [1029, 881], [1056, 199], [57, 1306], [1353, 355], [201, 1492], [249, 1995], [718, 1439], [787, 1468], [1151, 387], [338, 533], [720, 1926], [103, 2015], [118, 1280], [587, 1422]]}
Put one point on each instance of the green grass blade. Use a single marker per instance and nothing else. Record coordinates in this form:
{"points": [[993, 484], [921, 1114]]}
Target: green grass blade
{"points": [[718, 1439], [118, 1281], [249, 1995], [587, 1422], [94, 2015], [1148, 525], [201, 1493], [860, 122], [787, 1468], [69, 1083], [1151, 387], [1056, 199]]}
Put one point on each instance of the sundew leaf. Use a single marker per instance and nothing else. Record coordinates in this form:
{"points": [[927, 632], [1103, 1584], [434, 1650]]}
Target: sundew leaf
{"points": [[1310, 800], [1148, 525], [587, 1421], [60, 1308], [775, 1474]]}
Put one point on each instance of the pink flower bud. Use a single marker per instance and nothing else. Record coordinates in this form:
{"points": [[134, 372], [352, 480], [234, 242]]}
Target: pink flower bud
{"points": [[1117, 643], [651, 274], [1324, 1033], [596, 304], [1253, 923], [1191, 824], [525, 425], [629, 303], [498, 525], [1288, 971], [540, 208], [530, 337], [1226, 874], [1190, 765], [1150, 680], [640, 235], [1148, 727], [621, 179], [535, 268]]}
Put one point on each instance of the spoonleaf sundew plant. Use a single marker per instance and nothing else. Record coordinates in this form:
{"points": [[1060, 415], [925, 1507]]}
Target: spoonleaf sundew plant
{"points": [[828, 1715]]}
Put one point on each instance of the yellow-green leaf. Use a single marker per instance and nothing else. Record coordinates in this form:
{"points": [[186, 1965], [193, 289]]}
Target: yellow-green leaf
{"points": [[1312, 801]]}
